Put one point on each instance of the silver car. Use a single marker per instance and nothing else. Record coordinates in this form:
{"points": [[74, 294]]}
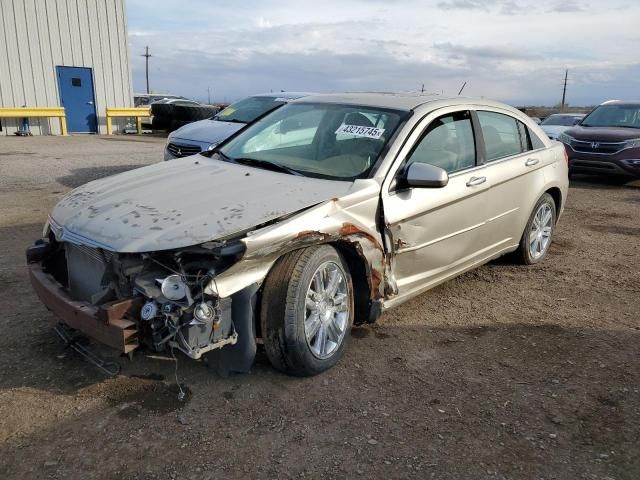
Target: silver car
{"points": [[322, 214], [557, 123], [204, 135]]}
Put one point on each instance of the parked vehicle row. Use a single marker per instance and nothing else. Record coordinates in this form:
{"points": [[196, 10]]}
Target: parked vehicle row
{"points": [[323, 212], [205, 134], [145, 99], [557, 123], [606, 141], [171, 114]]}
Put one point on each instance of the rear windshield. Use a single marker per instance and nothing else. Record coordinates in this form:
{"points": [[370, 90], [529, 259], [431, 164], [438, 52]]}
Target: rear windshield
{"points": [[333, 141], [248, 109], [561, 120], [625, 116]]}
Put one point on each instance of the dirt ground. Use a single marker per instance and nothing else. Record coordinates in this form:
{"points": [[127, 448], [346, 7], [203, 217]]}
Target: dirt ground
{"points": [[506, 372]]}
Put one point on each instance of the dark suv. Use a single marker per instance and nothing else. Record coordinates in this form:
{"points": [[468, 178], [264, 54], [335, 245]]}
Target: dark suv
{"points": [[606, 141]]}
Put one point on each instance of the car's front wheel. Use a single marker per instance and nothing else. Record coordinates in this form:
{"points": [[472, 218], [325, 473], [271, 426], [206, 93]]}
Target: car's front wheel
{"points": [[307, 310]]}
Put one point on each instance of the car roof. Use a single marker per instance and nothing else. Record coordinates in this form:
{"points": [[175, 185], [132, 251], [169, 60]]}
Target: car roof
{"points": [[567, 114], [287, 95], [401, 101], [622, 102], [168, 95]]}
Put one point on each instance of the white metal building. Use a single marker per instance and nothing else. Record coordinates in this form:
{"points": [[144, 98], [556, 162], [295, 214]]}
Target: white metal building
{"points": [[69, 53]]}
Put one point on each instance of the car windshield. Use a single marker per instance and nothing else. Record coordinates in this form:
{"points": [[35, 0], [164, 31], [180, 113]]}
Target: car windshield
{"points": [[248, 109], [627, 116], [561, 120], [333, 141]]}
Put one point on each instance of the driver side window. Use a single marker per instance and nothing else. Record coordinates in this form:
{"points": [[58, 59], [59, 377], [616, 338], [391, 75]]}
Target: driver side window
{"points": [[448, 143]]}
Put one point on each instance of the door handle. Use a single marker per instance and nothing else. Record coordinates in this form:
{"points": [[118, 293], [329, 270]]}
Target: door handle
{"points": [[531, 162], [473, 181], [89, 103]]}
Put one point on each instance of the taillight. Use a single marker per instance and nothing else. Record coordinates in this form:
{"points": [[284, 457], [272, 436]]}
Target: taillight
{"points": [[566, 156]]}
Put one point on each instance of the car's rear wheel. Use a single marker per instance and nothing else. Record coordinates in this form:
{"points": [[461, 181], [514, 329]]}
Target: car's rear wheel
{"points": [[307, 311], [538, 234]]}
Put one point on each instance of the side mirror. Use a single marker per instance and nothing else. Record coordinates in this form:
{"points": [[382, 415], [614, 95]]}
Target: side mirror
{"points": [[423, 175]]}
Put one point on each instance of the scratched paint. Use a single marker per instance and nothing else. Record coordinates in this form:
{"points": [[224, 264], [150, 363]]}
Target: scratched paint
{"points": [[177, 204]]}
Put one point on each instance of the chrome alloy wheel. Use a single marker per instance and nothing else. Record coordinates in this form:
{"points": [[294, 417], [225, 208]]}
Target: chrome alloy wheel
{"points": [[541, 229], [326, 310]]}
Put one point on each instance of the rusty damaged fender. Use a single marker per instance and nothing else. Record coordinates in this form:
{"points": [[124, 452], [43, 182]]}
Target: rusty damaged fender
{"points": [[350, 219]]}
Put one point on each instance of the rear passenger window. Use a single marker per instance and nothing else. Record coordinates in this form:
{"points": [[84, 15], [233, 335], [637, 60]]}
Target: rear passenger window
{"points": [[524, 137], [502, 137], [536, 143], [448, 144]]}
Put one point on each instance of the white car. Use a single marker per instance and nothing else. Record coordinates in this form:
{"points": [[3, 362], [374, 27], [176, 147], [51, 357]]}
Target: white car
{"points": [[557, 123]]}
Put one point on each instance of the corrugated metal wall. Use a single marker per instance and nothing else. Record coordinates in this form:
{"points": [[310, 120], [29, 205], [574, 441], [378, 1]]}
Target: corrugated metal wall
{"points": [[38, 35]]}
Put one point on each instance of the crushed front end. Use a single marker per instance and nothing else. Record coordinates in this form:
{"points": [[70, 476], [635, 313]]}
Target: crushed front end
{"points": [[157, 300]]}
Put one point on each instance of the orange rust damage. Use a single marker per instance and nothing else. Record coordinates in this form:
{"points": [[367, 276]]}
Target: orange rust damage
{"points": [[351, 229], [376, 279]]}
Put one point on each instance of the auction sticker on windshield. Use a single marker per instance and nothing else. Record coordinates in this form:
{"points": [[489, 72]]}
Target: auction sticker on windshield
{"points": [[358, 131]]}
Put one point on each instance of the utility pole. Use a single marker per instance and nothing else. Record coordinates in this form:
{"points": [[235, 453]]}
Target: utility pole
{"points": [[462, 88], [422, 91], [146, 56], [208, 96], [564, 89]]}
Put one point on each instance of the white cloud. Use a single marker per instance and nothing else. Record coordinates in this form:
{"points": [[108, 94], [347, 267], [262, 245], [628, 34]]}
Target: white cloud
{"points": [[514, 50]]}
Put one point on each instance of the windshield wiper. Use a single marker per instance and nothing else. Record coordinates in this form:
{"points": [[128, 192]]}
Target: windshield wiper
{"points": [[230, 120], [266, 164]]}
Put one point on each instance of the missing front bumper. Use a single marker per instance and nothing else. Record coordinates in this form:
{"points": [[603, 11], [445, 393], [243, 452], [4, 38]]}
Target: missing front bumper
{"points": [[111, 324], [118, 323]]}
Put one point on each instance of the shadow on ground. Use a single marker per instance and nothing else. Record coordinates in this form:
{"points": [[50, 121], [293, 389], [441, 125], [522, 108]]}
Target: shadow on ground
{"points": [[602, 183], [80, 176]]}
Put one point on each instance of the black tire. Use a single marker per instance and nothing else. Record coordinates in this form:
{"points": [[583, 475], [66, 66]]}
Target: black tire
{"points": [[188, 113], [160, 123], [283, 311], [523, 253], [163, 109]]}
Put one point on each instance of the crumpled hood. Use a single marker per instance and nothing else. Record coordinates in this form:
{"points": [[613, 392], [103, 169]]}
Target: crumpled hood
{"points": [[184, 202], [206, 131]]}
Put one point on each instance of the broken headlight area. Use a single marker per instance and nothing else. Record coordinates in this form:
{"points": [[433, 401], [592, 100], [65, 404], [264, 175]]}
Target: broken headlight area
{"points": [[165, 293]]}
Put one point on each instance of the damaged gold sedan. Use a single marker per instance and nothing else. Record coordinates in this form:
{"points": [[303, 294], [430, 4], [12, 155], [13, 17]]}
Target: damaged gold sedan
{"points": [[320, 215]]}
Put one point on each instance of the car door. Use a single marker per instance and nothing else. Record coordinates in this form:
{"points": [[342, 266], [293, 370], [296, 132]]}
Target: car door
{"points": [[436, 233], [515, 169]]}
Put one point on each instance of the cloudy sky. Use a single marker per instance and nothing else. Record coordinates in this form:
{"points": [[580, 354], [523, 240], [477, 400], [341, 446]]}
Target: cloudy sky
{"points": [[511, 50]]}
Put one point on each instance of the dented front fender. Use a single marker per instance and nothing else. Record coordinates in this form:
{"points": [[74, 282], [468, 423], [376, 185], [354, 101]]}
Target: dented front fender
{"points": [[351, 219]]}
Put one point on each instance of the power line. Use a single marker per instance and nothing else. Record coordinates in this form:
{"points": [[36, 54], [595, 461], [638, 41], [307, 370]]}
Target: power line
{"points": [[564, 89], [147, 55]]}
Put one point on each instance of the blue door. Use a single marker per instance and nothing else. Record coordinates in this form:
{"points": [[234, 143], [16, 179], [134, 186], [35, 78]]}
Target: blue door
{"points": [[75, 85]]}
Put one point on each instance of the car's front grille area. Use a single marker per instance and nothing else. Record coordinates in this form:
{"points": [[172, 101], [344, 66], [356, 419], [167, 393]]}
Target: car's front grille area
{"points": [[181, 150], [86, 267], [602, 148]]}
